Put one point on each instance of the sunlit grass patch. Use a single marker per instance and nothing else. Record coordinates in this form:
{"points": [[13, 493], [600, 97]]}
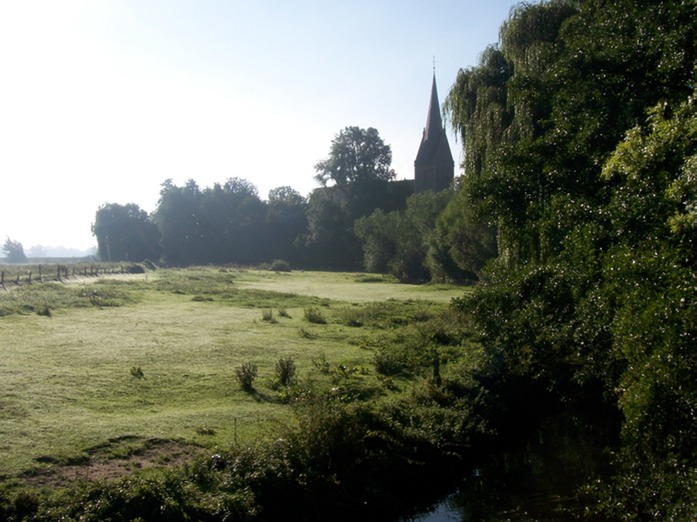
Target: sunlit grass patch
{"points": [[42, 298], [206, 284]]}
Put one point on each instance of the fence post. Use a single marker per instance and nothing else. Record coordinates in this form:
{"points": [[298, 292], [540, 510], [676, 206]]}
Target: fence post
{"points": [[3, 280], [29, 276]]}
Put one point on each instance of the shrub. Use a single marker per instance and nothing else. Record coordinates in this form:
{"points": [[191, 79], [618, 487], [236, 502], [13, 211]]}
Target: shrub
{"points": [[267, 315], [137, 372], [246, 373], [388, 363], [285, 370], [315, 315], [284, 313]]}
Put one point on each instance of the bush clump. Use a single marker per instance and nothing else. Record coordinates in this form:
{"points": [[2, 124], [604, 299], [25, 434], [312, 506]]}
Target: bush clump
{"points": [[267, 316], [246, 373], [285, 370], [314, 315]]}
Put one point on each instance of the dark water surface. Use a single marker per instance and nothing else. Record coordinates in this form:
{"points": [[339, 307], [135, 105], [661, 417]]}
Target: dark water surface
{"points": [[537, 482]]}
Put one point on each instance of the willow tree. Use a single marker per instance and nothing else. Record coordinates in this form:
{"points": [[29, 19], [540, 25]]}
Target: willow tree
{"points": [[588, 305], [501, 109], [546, 106]]}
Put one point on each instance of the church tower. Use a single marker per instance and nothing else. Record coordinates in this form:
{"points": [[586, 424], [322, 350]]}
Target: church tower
{"points": [[434, 168]]}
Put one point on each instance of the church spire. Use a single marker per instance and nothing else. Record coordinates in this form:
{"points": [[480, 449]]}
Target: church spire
{"points": [[434, 165], [434, 123]]}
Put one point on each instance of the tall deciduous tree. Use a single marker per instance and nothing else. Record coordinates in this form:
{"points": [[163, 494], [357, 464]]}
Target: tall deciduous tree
{"points": [[330, 242], [356, 155], [14, 251], [356, 181], [125, 233], [545, 107], [286, 222], [232, 218], [178, 217]]}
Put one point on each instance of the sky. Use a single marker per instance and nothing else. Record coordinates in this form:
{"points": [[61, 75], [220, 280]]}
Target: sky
{"points": [[102, 101]]}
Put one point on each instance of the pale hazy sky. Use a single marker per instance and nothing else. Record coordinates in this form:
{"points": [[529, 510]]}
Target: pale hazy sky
{"points": [[103, 100]]}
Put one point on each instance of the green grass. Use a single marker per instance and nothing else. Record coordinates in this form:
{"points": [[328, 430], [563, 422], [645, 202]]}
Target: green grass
{"points": [[351, 288], [68, 380]]}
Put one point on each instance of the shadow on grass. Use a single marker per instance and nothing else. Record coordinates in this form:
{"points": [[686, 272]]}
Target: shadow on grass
{"points": [[262, 397]]}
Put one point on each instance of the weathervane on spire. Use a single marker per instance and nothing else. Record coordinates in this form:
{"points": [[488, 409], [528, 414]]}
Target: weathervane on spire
{"points": [[434, 64]]}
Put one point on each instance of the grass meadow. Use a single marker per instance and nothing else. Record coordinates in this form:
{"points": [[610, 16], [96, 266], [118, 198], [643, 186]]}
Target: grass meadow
{"points": [[111, 363]]}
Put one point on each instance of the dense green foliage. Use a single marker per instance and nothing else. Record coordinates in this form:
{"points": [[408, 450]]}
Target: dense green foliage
{"points": [[579, 131], [125, 233], [356, 179], [356, 155], [406, 243], [219, 224]]}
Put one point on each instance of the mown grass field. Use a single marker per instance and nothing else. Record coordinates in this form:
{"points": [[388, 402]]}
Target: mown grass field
{"points": [[93, 363]]}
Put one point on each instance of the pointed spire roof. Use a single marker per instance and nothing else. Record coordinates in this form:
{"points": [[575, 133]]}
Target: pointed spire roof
{"points": [[434, 166], [434, 123], [434, 133]]}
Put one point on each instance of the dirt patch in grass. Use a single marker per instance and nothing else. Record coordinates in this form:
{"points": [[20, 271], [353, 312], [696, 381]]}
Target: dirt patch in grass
{"points": [[102, 465]]}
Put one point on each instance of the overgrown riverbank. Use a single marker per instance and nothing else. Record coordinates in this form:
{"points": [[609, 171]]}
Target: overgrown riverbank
{"points": [[123, 403]]}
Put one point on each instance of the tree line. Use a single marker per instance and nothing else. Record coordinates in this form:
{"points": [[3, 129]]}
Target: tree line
{"points": [[337, 227]]}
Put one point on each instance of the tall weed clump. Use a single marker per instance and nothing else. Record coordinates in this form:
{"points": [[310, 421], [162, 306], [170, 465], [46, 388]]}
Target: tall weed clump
{"points": [[314, 315], [246, 373], [285, 370]]}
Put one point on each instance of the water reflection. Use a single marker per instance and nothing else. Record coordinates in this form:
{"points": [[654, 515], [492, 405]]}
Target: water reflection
{"points": [[536, 482], [444, 512]]}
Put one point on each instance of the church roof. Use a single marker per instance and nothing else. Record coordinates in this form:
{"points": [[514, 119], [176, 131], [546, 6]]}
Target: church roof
{"points": [[434, 124], [434, 132]]}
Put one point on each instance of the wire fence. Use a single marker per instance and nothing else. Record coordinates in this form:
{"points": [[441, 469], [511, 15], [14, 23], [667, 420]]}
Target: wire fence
{"points": [[33, 274]]}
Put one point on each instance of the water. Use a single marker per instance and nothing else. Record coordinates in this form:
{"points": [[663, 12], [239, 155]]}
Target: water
{"points": [[444, 512], [537, 482]]}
